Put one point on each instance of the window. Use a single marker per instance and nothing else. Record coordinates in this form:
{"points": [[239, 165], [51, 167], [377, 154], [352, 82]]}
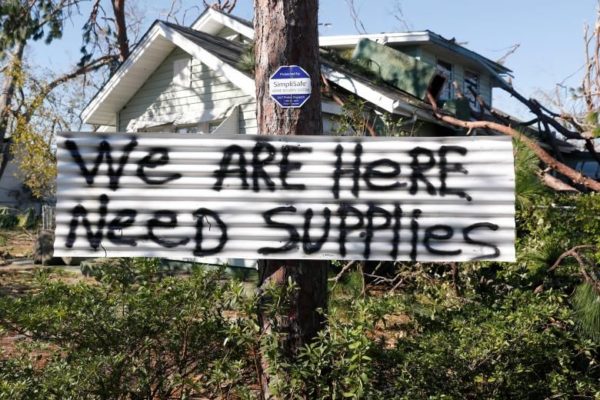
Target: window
{"points": [[213, 125], [445, 69], [182, 74], [201, 128], [187, 129], [157, 128], [471, 82]]}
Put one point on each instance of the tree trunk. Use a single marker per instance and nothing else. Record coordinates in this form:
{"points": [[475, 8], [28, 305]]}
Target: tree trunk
{"points": [[121, 28], [287, 34], [9, 85]]}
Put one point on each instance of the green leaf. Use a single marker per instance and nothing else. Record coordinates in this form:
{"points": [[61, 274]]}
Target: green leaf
{"points": [[592, 118]]}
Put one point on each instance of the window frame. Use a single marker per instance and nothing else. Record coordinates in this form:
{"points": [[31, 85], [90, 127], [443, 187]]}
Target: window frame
{"points": [[445, 69], [473, 103]]}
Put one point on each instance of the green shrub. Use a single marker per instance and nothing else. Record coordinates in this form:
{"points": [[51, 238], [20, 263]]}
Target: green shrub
{"points": [[28, 219], [140, 334], [11, 218], [521, 346], [147, 337], [8, 219], [526, 330]]}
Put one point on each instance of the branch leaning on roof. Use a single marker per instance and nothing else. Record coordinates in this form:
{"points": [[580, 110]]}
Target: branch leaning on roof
{"points": [[327, 90], [542, 154]]}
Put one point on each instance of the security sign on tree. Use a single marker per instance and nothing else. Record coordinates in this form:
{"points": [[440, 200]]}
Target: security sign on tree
{"points": [[290, 86]]}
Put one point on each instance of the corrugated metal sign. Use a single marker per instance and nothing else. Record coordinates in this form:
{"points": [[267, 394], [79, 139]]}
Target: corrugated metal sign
{"points": [[248, 197]]}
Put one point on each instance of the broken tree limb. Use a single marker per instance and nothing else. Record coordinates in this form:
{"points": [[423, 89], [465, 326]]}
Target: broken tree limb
{"points": [[575, 176], [556, 184], [574, 252], [570, 253]]}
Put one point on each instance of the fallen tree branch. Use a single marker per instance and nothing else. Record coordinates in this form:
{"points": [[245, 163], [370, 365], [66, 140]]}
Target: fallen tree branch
{"points": [[339, 276], [543, 155], [581, 260], [556, 184], [570, 253]]}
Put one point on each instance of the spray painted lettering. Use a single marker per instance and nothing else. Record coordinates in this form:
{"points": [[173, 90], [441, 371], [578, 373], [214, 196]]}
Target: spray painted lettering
{"points": [[249, 197]]}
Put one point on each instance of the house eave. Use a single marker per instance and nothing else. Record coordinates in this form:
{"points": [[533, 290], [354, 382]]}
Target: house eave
{"points": [[212, 21], [342, 41], [386, 102]]}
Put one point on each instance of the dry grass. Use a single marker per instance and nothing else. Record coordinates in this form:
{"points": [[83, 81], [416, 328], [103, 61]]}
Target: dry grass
{"points": [[16, 243]]}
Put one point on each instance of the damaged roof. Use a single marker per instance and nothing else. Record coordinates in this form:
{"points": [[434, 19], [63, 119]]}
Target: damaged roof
{"points": [[218, 53]]}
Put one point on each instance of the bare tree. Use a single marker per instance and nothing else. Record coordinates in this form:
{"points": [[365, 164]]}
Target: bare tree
{"points": [[397, 13], [225, 6], [586, 119], [121, 28], [354, 14], [46, 18], [509, 52]]}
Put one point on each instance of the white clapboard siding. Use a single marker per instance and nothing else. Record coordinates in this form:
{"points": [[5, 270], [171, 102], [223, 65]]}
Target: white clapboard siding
{"points": [[402, 225], [208, 96]]}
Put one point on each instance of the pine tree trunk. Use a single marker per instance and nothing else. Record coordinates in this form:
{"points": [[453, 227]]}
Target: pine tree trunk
{"points": [[287, 34]]}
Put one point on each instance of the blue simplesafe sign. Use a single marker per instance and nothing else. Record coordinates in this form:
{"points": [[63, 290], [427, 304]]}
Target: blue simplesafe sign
{"points": [[290, 86]]}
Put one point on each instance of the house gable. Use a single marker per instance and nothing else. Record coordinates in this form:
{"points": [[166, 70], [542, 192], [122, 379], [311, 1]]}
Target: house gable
{"points": [[155, 46], [207, 97], [142, 61]]}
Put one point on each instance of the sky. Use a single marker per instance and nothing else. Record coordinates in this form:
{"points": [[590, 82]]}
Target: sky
{"points": [[550, 33]]}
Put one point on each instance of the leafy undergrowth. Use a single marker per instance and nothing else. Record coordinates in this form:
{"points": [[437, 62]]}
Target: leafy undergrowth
{"points": [[525, 330], [141, 334]]}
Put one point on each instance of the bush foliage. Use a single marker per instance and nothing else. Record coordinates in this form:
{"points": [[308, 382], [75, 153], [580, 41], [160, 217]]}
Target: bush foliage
{"points": [[526, 330]]}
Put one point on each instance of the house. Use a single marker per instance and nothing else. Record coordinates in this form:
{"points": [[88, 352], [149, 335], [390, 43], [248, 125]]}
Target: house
{"points": [[193, 80]]}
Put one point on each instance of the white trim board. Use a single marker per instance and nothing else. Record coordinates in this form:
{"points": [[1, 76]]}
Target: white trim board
{"points": [[212, 21]]}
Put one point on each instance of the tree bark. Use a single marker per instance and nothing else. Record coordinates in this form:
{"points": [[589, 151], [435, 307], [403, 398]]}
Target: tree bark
{"points": [[121, 28], [9, 85], [286, 33]]}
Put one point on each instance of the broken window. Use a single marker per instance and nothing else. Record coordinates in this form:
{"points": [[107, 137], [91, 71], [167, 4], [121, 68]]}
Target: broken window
{"points": [[471, 84], [444, 69]]}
